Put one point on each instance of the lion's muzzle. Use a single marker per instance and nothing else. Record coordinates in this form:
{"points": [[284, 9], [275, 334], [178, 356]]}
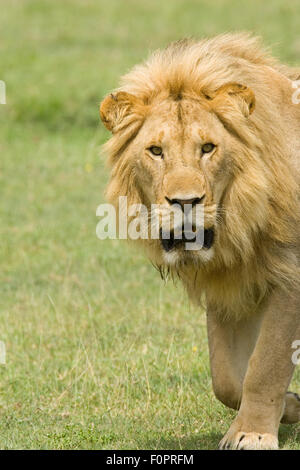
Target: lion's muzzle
{"points": [[171, 240]]}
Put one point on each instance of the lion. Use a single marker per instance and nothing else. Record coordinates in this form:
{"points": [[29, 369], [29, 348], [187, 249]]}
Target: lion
{"points": [[212, 123]]}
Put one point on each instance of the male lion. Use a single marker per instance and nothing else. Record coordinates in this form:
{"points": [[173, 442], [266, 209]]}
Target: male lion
{"points": [[215, 123]]}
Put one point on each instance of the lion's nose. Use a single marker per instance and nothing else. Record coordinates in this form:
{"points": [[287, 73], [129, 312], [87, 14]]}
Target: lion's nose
{"points": [[181, 202]]}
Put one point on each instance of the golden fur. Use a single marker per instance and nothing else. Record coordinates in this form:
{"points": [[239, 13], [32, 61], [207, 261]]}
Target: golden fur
{"points": [[258, 215], [228, 95]]}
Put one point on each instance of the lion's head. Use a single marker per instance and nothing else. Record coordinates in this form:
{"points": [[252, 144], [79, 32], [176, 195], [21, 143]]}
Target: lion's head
{"points": [[195, 126]]}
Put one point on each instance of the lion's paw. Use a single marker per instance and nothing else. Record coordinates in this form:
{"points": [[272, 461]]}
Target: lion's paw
{"points": [[248, 441]]}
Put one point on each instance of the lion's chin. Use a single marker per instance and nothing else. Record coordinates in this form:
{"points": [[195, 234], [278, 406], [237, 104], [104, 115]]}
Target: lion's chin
{"points": [[183, 257], [188, 248]]}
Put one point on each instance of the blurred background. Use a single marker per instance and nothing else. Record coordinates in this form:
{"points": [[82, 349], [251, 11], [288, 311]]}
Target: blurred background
{"points": [[99, 352]]}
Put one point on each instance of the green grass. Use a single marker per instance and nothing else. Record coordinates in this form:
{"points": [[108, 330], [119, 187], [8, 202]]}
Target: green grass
{"points": [[100, 353]]}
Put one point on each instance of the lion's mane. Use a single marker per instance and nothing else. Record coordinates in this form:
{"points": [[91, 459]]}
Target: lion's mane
{"points": [[260, 217]]}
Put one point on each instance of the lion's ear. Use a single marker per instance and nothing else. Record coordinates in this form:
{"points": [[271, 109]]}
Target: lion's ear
{"points": [[239, 94], [119, 109]]}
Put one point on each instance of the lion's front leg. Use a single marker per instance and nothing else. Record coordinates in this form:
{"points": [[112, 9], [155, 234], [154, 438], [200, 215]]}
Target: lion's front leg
{"points": [[231, 344], [268, 375]]}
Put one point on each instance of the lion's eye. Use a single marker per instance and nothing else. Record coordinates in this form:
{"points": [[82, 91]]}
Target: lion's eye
{"points": [[207, 148], [157, 151]]}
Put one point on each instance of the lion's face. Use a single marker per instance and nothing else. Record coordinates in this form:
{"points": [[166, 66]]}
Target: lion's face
{"points": [[176, 153], [182, 161]]}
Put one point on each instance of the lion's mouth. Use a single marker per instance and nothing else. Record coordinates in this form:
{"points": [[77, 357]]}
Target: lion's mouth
{"points": [[169, 242]]}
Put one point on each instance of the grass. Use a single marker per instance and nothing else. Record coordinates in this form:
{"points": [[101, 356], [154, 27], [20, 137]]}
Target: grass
{"points": [[100, 353]]}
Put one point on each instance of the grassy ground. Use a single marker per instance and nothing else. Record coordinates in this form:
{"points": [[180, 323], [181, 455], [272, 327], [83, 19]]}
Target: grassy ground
{"points": [[100, 354]]}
